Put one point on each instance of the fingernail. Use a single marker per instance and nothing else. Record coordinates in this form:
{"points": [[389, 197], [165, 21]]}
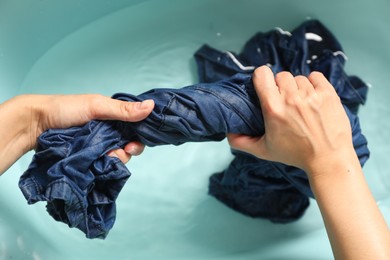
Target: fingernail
{"points": [[146, 104], [131, 150]]}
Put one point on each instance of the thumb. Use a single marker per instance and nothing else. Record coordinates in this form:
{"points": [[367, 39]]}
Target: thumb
{"points": [[248, 144], [123, 110], [135, 111]]}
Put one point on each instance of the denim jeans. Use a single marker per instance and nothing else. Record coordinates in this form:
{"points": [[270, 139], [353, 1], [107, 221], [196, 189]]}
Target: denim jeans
{"points": [[293, 52], [80, 183], [246, 184]]}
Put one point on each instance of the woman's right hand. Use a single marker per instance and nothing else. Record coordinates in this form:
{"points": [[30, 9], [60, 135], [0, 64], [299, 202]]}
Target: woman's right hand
{"points": [[305, 122]]}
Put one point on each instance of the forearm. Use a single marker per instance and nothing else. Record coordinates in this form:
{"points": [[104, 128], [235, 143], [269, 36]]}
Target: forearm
{"points": [[355, 226], [16, 115]]}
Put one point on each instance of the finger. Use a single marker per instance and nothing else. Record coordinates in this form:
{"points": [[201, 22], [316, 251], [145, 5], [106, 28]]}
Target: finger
{"points": [[240, 142], [266, 89], [248, 144], [105, 108], [305, 88], [286, 83], [134, 148], [120, 154], [319, 82]]}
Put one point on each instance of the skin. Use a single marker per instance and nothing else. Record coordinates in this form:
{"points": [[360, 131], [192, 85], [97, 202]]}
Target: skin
{"points": [[307, 127], [25, 117]]}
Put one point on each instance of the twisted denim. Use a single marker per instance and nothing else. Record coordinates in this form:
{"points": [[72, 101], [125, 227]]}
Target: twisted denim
{"points": [[80, 183]]}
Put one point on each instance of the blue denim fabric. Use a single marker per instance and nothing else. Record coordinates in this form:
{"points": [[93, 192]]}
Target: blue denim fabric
{"points": [[80, 183], [246, 185], [80, 189], [284, 52]]}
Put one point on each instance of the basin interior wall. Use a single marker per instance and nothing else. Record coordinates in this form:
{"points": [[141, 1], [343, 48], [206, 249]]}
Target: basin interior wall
{"points": [[164, 211]]}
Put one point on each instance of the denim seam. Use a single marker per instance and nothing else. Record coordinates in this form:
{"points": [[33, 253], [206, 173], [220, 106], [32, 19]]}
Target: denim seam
{"points": [[163, 117], [225, 102], [37, 186], [93, 223]]}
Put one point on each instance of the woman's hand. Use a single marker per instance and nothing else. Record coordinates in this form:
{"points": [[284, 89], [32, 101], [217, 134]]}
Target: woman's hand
{"points": [[25, 117], [305, 121]]}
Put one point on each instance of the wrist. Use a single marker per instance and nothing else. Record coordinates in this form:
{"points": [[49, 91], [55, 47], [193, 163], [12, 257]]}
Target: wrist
{"points": [[332, 167]]}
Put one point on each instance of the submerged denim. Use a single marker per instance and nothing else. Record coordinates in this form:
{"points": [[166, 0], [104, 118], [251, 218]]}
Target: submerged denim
{"points": [[71, 171]]}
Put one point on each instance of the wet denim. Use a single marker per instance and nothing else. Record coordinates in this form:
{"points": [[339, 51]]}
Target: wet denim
{"points": [[246, 184], [71, 171], [293, 53]]}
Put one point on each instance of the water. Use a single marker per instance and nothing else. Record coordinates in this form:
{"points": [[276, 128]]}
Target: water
{"points": [[164, 211]]}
